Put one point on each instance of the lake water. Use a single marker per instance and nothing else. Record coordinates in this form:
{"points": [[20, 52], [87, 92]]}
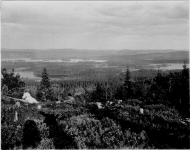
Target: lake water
{"points": [[54, 60], [169, 66], [81, 60], [27, 74], [30, 75]]}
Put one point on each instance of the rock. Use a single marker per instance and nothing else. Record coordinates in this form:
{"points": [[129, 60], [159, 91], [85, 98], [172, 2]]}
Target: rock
{"points": [[99, 105], [141, 111], [119, 101], [39, 106], [16, 116], [70, 100], [58, 102], [17, 104], [187, 120], [183, 122]]}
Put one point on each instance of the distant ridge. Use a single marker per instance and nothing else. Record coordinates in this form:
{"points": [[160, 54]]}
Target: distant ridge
{"points": [[120, 50]]}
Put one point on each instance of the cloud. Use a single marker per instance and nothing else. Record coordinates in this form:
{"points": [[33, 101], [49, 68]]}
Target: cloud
{"points": [[86, 24], [146, 13]]}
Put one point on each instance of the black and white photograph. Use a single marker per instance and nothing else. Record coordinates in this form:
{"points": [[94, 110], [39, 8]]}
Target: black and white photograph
{"points": [[95, 74]]}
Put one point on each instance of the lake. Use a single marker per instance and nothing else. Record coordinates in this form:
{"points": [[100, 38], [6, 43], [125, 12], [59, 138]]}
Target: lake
{"points": [[27, 74], [53, 60], [169, 66]]}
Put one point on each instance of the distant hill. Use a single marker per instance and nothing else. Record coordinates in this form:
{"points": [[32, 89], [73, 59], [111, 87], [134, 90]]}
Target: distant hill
{"points": [[111, 55], [135, 52]]}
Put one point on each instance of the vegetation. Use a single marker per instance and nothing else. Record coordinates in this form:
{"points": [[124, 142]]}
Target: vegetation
{"points": [[44, 91], [164, 98], [11, 84]]}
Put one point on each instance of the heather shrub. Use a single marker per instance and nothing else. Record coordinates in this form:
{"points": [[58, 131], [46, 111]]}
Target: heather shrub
{"points": [[111, 134], [43, 129], [83, 130], [46, 144], [134, 102], [162, 124], [7, 136], [131, 139], [64, 111], [88, 132], [11, 136]]}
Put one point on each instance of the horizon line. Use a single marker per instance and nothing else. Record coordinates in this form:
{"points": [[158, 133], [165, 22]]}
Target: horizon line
{"points": [[88, 49]]}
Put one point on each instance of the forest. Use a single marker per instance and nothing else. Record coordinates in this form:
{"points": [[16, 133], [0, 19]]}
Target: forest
{"points": [[142, 109]]}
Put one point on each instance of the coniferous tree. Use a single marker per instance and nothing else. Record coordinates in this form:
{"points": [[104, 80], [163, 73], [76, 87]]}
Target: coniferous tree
{"points": [[160, 88], [127, 86], [119, 93], [98, 94], [185, 102], [45, 82], [44, 91]]}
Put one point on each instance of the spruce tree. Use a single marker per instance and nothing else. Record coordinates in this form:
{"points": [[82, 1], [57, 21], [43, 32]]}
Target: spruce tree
{"points": [[185, 102], [44, 91], [99, 94], [45, 82], [127, 86], [127, 81]]}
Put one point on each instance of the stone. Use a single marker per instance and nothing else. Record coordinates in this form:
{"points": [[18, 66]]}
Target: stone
{"points": [[141, 111], [17, 104]]}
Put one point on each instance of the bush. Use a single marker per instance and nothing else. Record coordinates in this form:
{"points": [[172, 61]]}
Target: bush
{"points": [[7, 134], [111, 135], [64, 111], [91, 133], [134, 102], [12, 84], [162, 124], [11, 136], [43, 129], [83, 130], [46, 144]]}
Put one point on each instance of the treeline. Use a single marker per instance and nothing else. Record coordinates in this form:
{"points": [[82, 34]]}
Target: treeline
{"points": [[150, 87], [170, 89]]}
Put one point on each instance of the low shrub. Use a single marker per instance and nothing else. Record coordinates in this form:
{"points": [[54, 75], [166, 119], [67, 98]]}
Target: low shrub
{"points": [[64, 111], [162, 124], [43, 129], [46, 144], [83, 130], [111, 134], [89, 132], [134, 102]]}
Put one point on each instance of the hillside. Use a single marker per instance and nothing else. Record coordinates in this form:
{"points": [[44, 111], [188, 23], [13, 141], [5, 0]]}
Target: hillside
{"points": [[127, 112], [120, 55]]}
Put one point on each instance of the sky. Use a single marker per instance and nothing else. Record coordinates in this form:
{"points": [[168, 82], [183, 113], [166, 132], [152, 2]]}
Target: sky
{"points": [[95, 25]]}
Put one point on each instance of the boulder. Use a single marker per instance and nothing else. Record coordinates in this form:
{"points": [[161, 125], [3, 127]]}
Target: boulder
{"points": [[141, 111], [99, 105]]}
